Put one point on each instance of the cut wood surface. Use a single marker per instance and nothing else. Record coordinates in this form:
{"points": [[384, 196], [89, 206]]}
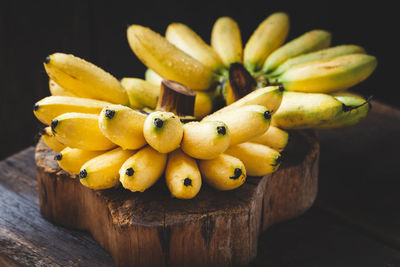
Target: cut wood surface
{"points": [[354, 222]]}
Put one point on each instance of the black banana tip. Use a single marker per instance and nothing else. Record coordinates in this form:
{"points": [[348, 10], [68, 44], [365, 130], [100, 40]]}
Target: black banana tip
{"points": [[54, 124], [47, 59], [58, 157], [110, 113], [83, 173], [267, 115], [221, 130], [158, 122], [129, 171], [36, 107], [281, 88], [187, 182], [236, 174]]}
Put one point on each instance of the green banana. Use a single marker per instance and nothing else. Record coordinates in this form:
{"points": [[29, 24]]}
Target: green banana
{"points": [[305, 110], [308, 42], [167, 60], [84, 79], [268, 36], [322, 54], [330, 75]]}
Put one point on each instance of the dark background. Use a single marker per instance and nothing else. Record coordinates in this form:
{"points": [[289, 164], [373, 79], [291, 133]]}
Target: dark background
{"points": [[95, 31]]}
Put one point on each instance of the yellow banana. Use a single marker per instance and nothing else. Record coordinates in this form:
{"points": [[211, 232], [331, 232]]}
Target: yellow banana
{"points": [[204, 103], [268, 36], [101, 172], [152, 77], [322, 54], [223, 172], [167, 60], [123, 126], [141, 93], [51, 140], [84, 79], [188, 41], [80, 130], [163, 131], [72, 159], [205, 140], [142, 170], [244, 123], [182, 175], [325, 76], [52, 106], [305, 110], [274, 137], [354, 110], [226, 40], [308, 42], [57, 90], [259, 160]]}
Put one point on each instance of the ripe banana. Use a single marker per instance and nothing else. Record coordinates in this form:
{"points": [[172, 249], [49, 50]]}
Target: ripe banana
{"points": [[51, 140], [182, 175], [223, 172], [274, 137], [163, 131], [84, 79], [52, 106], [142, 170], [205, 140], [152, 77], [325, 76], [101, 172], [226, 40], [259, 160], [123, 126], [204, 103], [72, 159], [57, 90], [80, 130], [308, 42], [322, 54], [141, 93], [354, 110], [268, 36], [244, 123], [269, 97], [167, 60], [305, 110], [188, 41]]}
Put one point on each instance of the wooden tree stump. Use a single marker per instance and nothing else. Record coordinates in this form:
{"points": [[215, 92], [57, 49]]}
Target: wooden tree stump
{"points": [[153, 229]]}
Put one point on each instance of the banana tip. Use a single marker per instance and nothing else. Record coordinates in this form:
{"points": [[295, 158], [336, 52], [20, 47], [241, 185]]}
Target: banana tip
{"points": [[46, 59]]}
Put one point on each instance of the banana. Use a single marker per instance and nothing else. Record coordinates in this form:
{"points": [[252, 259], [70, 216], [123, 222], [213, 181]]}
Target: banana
{"points": [[182, 175], [84, 79], [223, 172], [141, 93], [163, 131], [72, 159], [123, 126], [269, 97], [305, 110], [205, 140], [101, 172], [322, 54], [80, 130], [325, 76], [189, 42], [57, 90], [142, 170], [274, 137], [52, 106], [259, 160], [268, 36], [51, 140], [167, 60], [354, 110], [152, 77], [244, 123], [203, 103], [226, 40], [308, 42]]}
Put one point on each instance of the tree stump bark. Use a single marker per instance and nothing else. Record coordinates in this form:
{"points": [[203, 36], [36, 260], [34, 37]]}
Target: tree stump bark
{"points": [[153, 229]]}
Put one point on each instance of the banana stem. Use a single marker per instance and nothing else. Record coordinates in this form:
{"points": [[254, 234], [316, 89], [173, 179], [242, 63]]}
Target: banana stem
{"points": [[177, 98], [241, 81], [347, 108]]}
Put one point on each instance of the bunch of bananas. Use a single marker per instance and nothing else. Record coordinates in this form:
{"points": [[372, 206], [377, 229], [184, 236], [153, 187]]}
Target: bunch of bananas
{"points": [[215, 113]]}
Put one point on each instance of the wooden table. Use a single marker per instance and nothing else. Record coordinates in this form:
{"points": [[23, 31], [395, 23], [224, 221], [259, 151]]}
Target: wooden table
{"points": [[354, 222]]}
